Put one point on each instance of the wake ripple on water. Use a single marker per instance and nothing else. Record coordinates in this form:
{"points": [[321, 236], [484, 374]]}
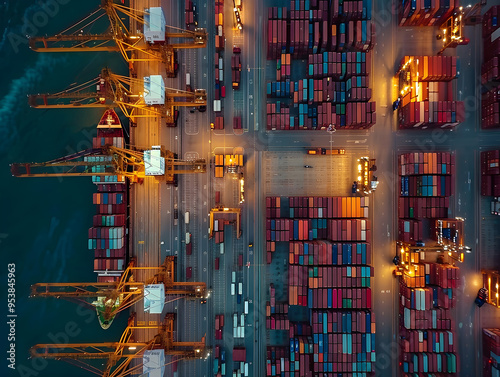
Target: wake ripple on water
{"points": [[14, 101]]}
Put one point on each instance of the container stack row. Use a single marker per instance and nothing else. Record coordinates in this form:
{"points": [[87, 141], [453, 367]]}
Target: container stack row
{"points": [[237, 123], [426, 181], [276, 313], [428, 341], [329, 279], [219, 231], [219, 166], [236, 68], [219, 326], [491, 45], [220, 89], [219, 25], [219, 123], [312, 27], [490, 173], [490, 101], [335, 39], [490, 108], [491, 352], [219, 361], [189, 14], [113, 137], [427, 93], [416, 13], [108, 236]]}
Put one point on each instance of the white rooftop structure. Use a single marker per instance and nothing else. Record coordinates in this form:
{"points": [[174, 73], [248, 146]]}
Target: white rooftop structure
{"points": [[154, 90], [153, 363], [154, 25], [154, 163], [154, 298]]}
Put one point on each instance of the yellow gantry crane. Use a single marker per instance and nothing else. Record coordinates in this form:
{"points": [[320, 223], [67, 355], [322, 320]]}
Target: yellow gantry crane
{"points": [[127, 348], [112, 90], [118, 37], [109, 298], [223, 210], [131, 163]]}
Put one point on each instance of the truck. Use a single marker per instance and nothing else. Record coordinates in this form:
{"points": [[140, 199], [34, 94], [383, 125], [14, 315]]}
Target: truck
{"points": [[186, 217], [188, 82]]}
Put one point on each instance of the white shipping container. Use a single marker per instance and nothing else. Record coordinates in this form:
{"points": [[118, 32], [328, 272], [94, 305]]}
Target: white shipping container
{"points": [[220, 63], [188, 79], [235, 320], [246, 306], [246, 369], [240, 288], [242, 320], [221, 75], [235, 332], [222, 248], [233, 276], [217, 105], [186, 217], [232, 289], [220, 30], [216, 225]]}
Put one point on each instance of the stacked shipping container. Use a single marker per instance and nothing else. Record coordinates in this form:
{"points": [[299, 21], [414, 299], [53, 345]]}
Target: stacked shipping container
{"points": [[219, 123], [491, 352], [219, 166], [219, 231], [490, 102], [427, 100], [335, 39], [189, 14], [328, 274], [421, 13], [490, 173], [108, 235], [426, 182], [427, 330]]}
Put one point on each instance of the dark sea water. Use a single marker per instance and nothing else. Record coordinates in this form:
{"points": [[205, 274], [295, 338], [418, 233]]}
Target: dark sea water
{"points": [[44, 221]]}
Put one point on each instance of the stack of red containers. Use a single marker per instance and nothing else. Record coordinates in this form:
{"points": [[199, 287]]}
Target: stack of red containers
{"points": [[427, 100], [426, 328], [491, 45], [490, 173], [335, 39], [219, 326], [332, 279], [189, 13], [491, 352], [219, 230], [237, 123], [426, 183], [219, 123], [417, 13], [490, 108]]}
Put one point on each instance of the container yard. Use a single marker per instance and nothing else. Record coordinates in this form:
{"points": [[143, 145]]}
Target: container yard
{"points": [[216, 245]]}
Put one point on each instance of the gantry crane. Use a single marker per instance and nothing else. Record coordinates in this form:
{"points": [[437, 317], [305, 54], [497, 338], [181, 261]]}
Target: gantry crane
{"points": [[127, 348], [131, 163], [119, 37], [452, 28], [112, 90], [221, 209], [109, 298]]}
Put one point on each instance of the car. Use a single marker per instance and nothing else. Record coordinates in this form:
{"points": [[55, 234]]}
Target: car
{"points": [[354, 187], [202, 109], [308, 166], [482, 295], [203, 301]]}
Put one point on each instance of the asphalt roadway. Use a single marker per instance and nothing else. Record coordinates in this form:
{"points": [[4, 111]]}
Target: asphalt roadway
{"points": [[155, 235]]}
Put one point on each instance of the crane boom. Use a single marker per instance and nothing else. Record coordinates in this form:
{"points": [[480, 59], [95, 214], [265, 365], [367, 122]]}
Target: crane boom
{"points": [[112, 90], [109, 298], [118, 38], [126, 348]]}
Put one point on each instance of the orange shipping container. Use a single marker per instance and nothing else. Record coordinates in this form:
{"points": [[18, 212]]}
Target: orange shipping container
{"points": [[343, 205]]}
